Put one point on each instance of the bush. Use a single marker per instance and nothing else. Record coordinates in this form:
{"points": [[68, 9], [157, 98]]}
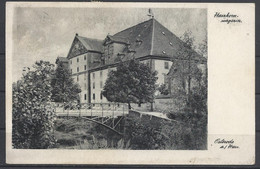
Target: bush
{"points": [[188, 131], [33, 113]]}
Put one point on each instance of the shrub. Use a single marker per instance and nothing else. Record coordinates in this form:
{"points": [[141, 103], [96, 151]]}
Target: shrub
{"points": [[33, 113]]}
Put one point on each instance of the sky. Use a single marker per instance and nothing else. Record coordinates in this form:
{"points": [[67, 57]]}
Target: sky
{"points": [[46, 33]]}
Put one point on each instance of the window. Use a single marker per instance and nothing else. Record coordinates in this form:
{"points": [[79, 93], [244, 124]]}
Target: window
{"points": [[85, 57], [85, 76], [93, 85], [71, 61], [77, 59], [93, 75], [77, 69], [85, 96], [85, 67], [166, 65], [101, 84], [101, 96], [77, 78], [93, 96], [101, 73], [71, 71]]}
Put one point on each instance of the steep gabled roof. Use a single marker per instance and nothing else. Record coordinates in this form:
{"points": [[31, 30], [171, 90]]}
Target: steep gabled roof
{"points": [[152, 38], [149, 38], [81, 45], [91, 44], [139, 37]]}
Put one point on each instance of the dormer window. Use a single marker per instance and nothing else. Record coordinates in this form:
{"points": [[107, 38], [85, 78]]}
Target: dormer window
{"points": [[171, 43], [163, 33]]}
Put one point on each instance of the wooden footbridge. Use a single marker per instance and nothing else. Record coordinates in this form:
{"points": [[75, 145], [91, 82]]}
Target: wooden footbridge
{"points": [[108, 115]]}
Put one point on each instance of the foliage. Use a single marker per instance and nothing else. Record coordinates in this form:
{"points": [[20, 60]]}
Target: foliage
{"points": [[163, 89], [132, 82], [187, 131], [81, 134], [188, 87], [144, 135], [63, 87], [33, 114]]}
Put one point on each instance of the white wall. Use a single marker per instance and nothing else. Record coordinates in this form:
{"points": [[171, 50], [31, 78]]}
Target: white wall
{"points": [[159, 67], [98, 88], [83, 78], [74, 64]]}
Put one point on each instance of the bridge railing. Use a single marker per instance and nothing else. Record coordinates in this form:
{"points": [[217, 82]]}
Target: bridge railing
{"points": [[92, 109]]}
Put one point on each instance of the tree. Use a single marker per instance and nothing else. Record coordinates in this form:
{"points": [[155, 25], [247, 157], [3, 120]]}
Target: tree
{"points": [[132, 82], [33, 114], [186, 75], [63, 87]]}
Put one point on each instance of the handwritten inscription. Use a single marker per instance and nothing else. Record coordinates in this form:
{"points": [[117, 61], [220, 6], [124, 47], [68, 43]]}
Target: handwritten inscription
{"points": [[228, 18], [226, 144]]}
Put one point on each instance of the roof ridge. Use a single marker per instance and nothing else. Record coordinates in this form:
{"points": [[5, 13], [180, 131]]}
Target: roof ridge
{"points": [[151, 50], [89, 38]]}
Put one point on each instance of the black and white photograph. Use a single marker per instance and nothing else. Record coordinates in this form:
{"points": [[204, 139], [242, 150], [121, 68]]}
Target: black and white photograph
{"points": [[110, 79], [129, 80]]}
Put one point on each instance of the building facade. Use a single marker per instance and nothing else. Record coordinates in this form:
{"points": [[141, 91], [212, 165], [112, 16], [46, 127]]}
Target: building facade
{"points": [[90, 60]]}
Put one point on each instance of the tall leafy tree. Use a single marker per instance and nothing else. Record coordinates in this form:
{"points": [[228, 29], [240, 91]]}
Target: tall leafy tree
{"points": [[64, 89], [33, 114], [131, 82], [185, 74]]}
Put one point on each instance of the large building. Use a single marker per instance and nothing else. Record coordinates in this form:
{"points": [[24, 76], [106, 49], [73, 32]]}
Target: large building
{"points": [[90, 60]]}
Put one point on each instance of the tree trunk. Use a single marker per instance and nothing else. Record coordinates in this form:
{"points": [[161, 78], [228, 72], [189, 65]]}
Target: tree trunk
{"points": [[151, 106], [139, 104]]}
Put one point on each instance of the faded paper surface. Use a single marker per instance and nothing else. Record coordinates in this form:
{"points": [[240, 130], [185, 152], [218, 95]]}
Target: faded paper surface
{"points": [[231, 95]]}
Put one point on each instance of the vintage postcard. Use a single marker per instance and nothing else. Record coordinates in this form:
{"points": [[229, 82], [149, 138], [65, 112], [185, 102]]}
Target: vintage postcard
{"points": [[130, 83]]}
